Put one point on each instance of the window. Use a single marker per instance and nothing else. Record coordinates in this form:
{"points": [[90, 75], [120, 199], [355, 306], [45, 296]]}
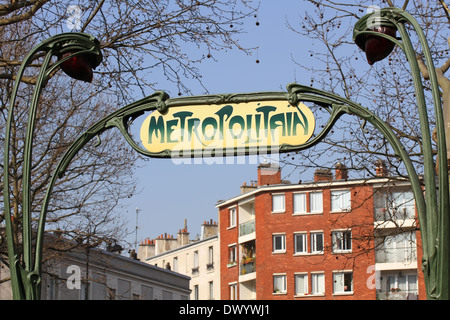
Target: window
{"points": [[316, 242], [175, 264], [301, 284], [300, 243], [405, 285], [343, 282], [167, 295], [342, 241], [196, 292], [112, 294], [195, 268], [232, 218], [403, 205], [211, 290], [52, 288], [210, 254], [318, 283], [278, 203], [84, 290], [233, 291], [210, 264], [195, 259], [279, 284], [340, 201], [279, 243], [299, 202], [146, 292], [316, 202], [232, 259]]}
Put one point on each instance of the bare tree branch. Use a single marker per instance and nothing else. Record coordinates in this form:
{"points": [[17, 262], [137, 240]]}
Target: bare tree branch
{"points": [[16, 5], [446, 9]]}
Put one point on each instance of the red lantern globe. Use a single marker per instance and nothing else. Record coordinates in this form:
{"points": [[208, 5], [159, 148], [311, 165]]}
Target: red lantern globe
{"points": [[377, 48], [79, 66]]}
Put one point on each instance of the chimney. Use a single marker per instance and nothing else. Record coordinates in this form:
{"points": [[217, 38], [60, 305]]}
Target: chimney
{"points": [[245, 188], [146, 249], [323, 175], [340, 172], [159, 244], [380, 168], [183, 235], [209, 229], [269, 174]]}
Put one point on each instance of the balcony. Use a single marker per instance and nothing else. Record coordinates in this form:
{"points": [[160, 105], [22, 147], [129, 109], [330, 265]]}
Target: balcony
{"points": [[394, 204], [247, 289], [246, 228], [247, 265]]}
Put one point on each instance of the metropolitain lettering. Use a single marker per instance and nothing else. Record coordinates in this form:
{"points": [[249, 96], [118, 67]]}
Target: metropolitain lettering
{"points": [[258, 127]]}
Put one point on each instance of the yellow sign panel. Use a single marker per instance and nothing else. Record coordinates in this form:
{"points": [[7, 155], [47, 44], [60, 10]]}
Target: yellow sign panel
{"points": [[223, 128]]}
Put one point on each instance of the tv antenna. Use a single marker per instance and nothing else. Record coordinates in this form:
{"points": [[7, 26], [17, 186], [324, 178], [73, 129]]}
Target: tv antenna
{"points": [[136, 231]]}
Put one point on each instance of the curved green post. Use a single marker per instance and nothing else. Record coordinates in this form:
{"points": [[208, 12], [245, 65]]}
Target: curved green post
{"points": [[434, 220], [24, 276]]}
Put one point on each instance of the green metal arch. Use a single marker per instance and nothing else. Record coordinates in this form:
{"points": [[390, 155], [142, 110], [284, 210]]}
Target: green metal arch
{"points": [[336, 105]]}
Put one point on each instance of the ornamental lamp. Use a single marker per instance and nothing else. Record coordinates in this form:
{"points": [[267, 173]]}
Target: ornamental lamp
{"points": [[78, 61], [377, 47]]}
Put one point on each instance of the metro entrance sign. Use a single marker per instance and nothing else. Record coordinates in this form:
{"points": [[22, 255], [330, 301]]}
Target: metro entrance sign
{"points": [[245, 124]]}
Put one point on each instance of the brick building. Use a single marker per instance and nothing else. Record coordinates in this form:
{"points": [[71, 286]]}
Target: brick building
{"points": [[333, 238]]}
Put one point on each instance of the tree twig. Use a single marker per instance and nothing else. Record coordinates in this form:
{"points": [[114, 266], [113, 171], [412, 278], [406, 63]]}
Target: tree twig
{"points": [[446, 9], [405, 4]]}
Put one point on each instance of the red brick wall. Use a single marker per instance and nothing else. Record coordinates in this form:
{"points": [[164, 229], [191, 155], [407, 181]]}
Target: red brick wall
{"points": [[227, 236], [420, 276], [269, 263]]}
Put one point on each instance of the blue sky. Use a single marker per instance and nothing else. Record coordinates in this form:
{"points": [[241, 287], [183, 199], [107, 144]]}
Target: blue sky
{"points": [[171, 193]]}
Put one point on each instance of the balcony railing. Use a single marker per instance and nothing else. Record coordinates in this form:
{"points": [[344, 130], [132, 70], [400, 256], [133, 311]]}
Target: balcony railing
{"points": [[246, 228], [398, 295], [248, 266], [402, 213], [404, 255]]}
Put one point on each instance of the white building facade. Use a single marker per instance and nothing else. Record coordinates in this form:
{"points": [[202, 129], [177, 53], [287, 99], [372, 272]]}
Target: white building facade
{"points": [[197, 259], [101, 275]]}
